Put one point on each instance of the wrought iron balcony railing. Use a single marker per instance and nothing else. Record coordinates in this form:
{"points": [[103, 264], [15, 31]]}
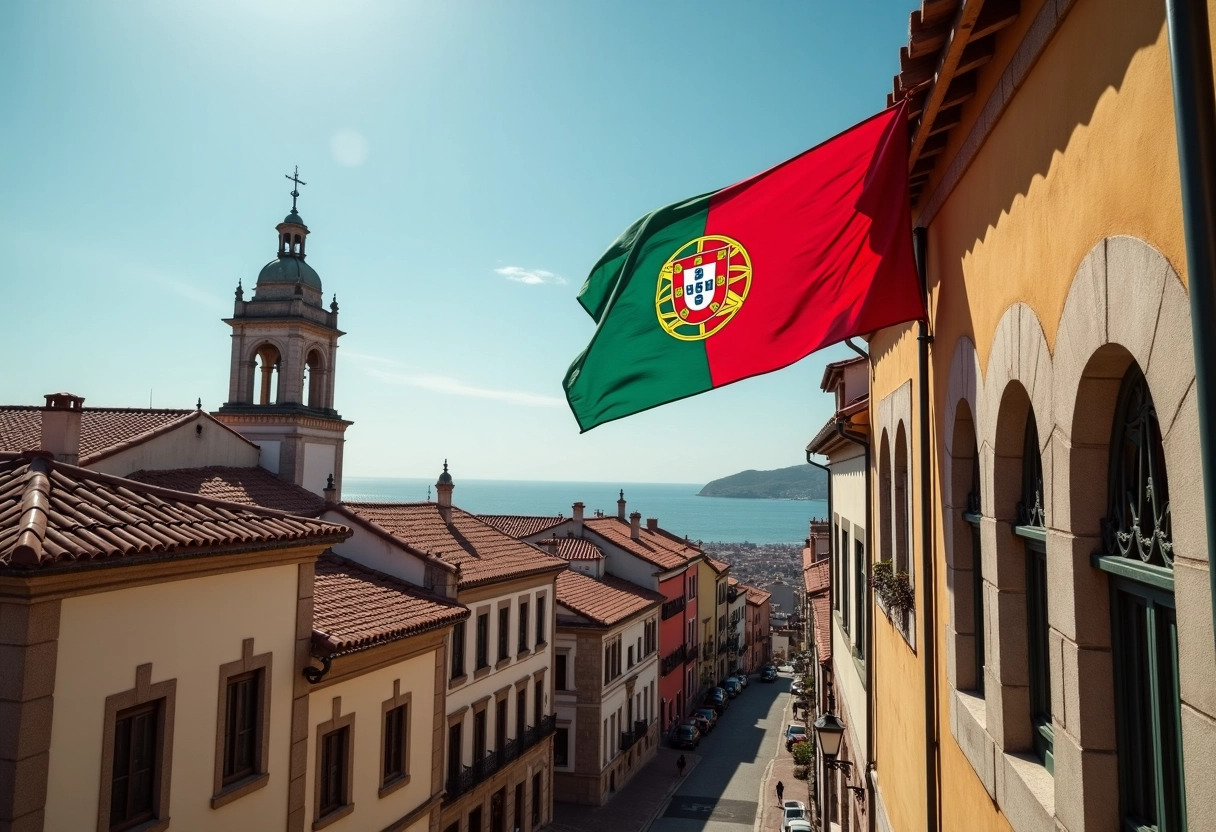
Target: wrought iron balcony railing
{"points": [[470, 776]]}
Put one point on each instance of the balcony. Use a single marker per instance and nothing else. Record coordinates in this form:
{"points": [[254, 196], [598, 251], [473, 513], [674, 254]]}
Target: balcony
{"points": [[640, 728], [628, 738], [484, 768], [707, 652], [673, 607], [673, 660]]}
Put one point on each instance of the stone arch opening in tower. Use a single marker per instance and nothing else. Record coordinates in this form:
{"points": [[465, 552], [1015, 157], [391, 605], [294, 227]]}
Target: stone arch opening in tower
{"points": [[268, 361]]}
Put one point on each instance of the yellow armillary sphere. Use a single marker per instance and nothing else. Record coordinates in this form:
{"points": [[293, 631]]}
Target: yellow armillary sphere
{"points": [[701, 287]]}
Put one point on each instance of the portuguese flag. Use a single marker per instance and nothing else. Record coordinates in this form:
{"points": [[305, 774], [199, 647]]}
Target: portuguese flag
{"points": [[753, 277]]}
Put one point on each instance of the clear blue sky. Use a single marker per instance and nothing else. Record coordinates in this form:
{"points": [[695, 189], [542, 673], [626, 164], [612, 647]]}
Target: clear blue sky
{"points": [[467, 163]]}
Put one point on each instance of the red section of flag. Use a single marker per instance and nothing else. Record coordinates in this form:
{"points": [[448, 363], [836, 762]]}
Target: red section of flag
{"points": [[829, 234]]}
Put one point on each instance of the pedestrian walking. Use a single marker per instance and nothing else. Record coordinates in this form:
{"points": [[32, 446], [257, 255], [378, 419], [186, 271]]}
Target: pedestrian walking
{"points": [[780, 792], [680, 765]]}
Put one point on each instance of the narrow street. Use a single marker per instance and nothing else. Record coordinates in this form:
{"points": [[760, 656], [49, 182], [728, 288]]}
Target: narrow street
{"points": [[726, 788], [733, 770]]}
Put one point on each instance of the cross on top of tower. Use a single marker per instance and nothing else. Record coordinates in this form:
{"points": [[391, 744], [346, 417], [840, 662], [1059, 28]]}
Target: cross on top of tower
{"points": [[295, 191]]}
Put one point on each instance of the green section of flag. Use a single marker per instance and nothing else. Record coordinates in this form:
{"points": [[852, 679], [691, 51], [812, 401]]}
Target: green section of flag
{"points": [[605, 274], [632, 364]]}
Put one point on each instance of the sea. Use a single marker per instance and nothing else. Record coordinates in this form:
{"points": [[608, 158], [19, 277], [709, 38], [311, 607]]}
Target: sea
{"points": [[676, 505]]}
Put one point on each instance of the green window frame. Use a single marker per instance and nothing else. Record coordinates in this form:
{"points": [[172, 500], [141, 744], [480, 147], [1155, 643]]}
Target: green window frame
{"points": [[859, 589], [1138, 560], [1032, 528]]}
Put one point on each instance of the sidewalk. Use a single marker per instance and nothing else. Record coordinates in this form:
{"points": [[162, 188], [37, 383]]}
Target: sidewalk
{"points": [[640, 801], [635, 805], [782, 769]]}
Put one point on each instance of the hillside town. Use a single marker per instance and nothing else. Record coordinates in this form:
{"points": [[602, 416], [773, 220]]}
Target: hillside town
{"points": [[559, 651], [1003, 623]]}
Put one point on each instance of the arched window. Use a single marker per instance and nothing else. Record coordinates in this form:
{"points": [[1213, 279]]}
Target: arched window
{"points": [[313, 379], [268, 374], [968, 579], [886, 549], [902, 532], [1144, 631], [1032, 528]]}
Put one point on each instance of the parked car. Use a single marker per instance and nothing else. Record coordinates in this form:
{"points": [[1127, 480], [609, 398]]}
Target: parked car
{"points": [[794, 734], [717, 705], [793, 814], [741, 678], [709, 715], [702, 724], [732, 686], [768, 674], [686, 736], [798, 826], [796, 804]]}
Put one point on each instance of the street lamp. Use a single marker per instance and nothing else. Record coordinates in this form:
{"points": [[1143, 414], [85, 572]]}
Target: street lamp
{"points": [[829, 731]]}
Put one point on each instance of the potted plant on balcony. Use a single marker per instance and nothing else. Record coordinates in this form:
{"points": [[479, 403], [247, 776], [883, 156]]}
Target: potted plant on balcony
{"points": [[893, 588]]}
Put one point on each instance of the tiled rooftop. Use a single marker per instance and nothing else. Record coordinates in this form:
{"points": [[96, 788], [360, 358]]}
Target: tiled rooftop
{"points": [[816, 578], [822, 623], [56, 515], [573, 548], [656, 547], [717, 565], [247, 486], [102, 430], [520, 526], [757, 596], [355, 607], [481, 552], [606, 601]]}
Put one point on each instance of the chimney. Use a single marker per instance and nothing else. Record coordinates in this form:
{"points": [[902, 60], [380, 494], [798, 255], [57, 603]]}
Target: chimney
{"points": [[652, 524], [552, 545], [331, 493], [578, 519], [61, 427], [443, 491], [635, 525], [620, 506]]}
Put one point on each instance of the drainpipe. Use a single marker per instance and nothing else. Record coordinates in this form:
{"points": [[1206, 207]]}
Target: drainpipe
{"points": [[920, 244], [1195, 124], [831, 542], [871, 820]]}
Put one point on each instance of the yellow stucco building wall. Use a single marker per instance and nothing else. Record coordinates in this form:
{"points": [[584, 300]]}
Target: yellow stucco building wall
{"points": [[1084, 151], [186, 629]]}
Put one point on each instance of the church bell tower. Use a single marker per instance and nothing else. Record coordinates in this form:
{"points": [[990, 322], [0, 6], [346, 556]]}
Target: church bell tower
{"points": [[281, 379]]}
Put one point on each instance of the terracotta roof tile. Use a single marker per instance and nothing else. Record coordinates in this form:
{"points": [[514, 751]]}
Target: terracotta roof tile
{"points": [[821, 624], [520, 526], [53, 514], [757, 596], [717, 565], [606, 601], [481, 552], [657, 547], [355, 607], [573, 548], [817, 577], [103, 431], [247, 486]]}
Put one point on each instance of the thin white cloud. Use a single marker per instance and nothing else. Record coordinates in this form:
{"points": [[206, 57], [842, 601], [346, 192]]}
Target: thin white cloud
{"points": [[455, 387], [531, 277]]}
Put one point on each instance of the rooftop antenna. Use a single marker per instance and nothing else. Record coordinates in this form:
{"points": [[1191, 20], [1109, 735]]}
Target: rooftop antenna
{"points": [[295, 191]]}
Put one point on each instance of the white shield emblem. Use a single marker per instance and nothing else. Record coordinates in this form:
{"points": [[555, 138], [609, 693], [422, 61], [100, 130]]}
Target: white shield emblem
{"points": [[699, 285]]}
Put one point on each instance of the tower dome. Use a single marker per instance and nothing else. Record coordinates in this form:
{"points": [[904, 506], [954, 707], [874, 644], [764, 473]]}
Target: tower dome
{"points": [[289, 266]]}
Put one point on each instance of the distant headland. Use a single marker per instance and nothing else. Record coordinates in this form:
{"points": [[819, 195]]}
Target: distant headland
{"points": [[798, 482]]}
